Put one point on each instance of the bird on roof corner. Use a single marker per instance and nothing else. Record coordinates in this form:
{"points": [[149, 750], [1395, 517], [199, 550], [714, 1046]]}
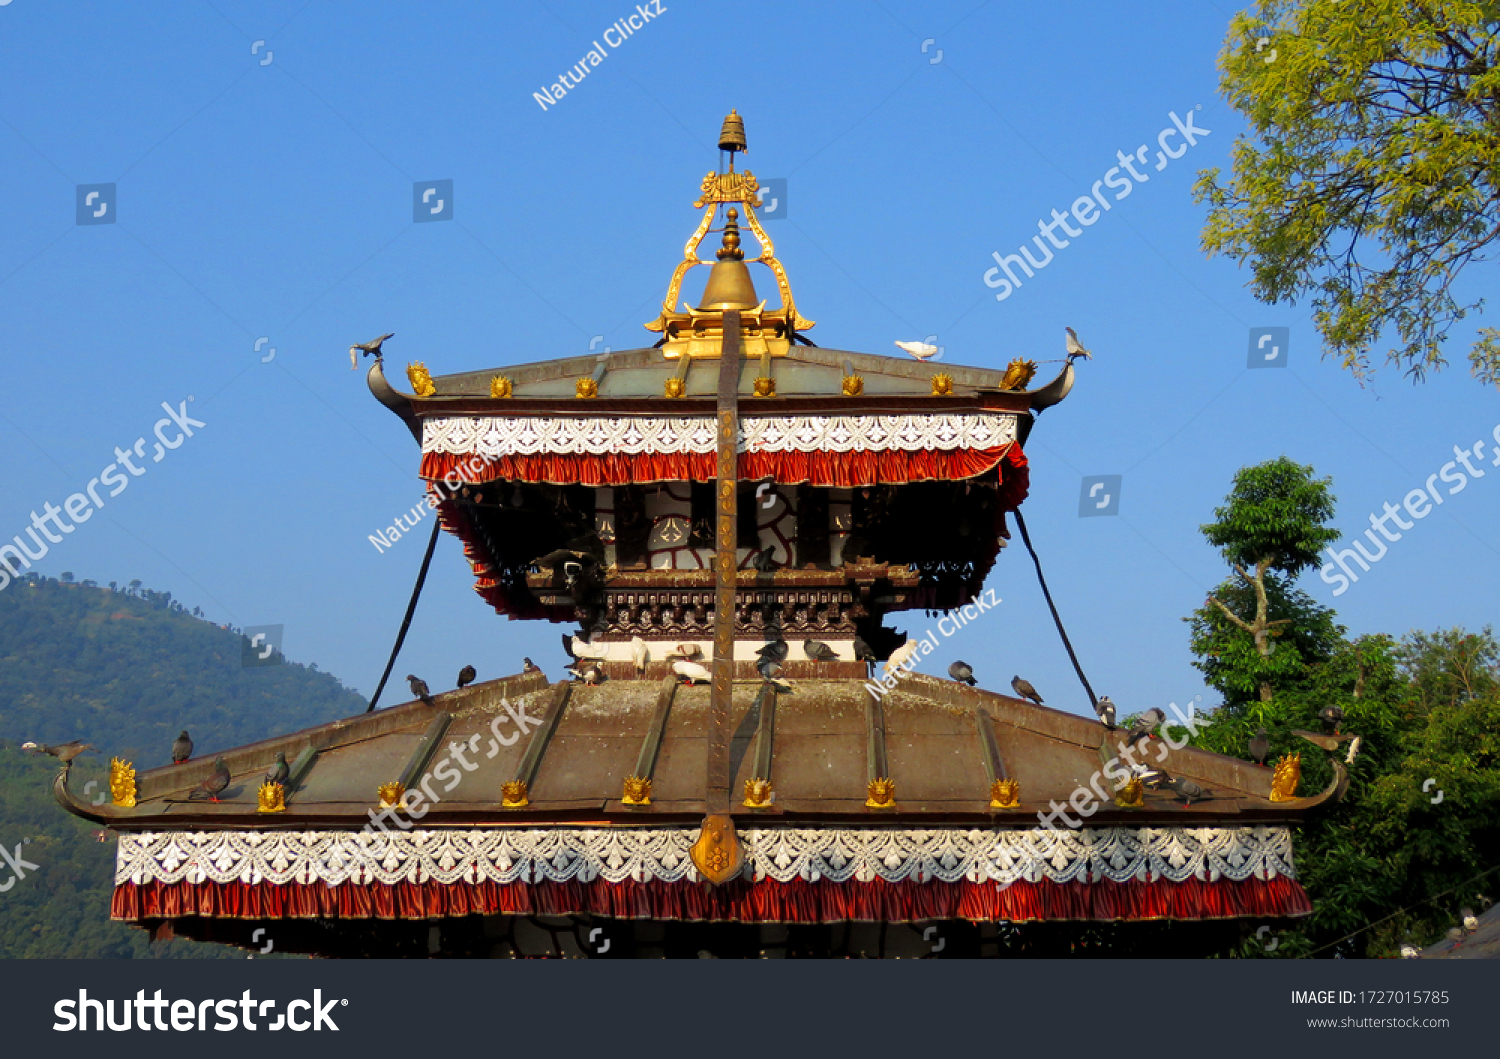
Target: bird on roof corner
{"points": [[182, 749], [1260, 746], [367, 348], [64, 752], [921, 350], [1075, 348], [1024, 689], [586, 671], [1106, 710], [528, 666], [466, 676], [419, 688], [1332, 718]]}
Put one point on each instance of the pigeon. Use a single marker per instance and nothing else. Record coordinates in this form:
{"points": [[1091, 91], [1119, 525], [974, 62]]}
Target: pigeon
{"points": [[920, 350], [900, 656], [690, 651], [818, 651], [1260, 746], [691, 672], [863, 653], [279, 772], [1105, 708], [419, 688], [1456, 935], [1024, 689], [1410, 952], [528, 666], [1332, 717], [64, 752], [771, 672], [1144, 725], [1189, 790], [765, 560], [367, 348], [1153, 778], [182, 749], [466, 676], [638, 653], [1471, 921], [212, 787], [1075, 348], [587, 670], [580, 648], [776, 650], [963, 673]]}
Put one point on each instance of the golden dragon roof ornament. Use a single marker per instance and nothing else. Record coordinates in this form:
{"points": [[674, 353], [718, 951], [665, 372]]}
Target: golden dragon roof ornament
{"points": [[699, 332]]}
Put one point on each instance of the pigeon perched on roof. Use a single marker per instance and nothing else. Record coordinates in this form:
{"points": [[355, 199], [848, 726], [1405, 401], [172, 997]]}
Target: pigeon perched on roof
{"points": [[586, 670], [1024, 689], [182, 748], [864, 653], [214, 786], [920, 350], [1410, 952], [367, 348], [279, 772], [64, 752], [1471, 921], [638, 653], [419, 688], [466, 676], [1456, 935], [1260, 746], [900, 656], [528, 666], [1152, 777], [1189, 790], [818, 651], [776, 650], [691, 672], [764, 560], [1075, 348], [1105, 708], [1145, 725], [1332, 717], [690, 651], [963, 673], [771, 672]]}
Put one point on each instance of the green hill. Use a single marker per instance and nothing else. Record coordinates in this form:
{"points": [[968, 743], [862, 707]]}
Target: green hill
{"points": [[125, 670]]}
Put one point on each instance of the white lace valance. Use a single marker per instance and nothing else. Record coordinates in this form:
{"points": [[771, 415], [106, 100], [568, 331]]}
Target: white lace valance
{"points": [[504, 855], [494, 436]]}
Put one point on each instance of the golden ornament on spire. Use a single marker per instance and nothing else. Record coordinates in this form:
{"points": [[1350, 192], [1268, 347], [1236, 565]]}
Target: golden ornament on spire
{"points": [[732, 135]]}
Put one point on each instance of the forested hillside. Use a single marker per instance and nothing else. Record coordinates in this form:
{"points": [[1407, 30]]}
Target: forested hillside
{"points": [[126, 670]]}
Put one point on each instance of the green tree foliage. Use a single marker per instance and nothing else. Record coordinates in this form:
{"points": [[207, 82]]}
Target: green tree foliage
{"points": [[125, 671], [1369, 180], [1274, 523]]}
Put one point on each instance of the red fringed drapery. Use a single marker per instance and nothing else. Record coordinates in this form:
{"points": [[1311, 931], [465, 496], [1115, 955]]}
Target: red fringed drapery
{"points": [[740, 901], [827, 469]]}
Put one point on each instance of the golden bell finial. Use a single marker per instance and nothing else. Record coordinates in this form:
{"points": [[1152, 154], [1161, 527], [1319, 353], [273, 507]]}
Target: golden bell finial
{"points": [[732, 135], [729, 284]]}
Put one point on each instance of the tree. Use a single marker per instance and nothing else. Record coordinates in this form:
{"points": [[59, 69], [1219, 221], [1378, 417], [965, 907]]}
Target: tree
{"points": [[1274, 521], [66, 577], [1371, 178]]}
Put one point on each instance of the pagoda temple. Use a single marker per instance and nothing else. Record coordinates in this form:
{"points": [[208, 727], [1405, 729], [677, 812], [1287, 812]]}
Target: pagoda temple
{"points": [[726, 526]]}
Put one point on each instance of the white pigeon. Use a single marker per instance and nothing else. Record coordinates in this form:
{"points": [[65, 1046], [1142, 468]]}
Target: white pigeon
{"points": [[1075, 348], [1471, 921], [687, 650], [638, 653], [589, 650], [692, 672], [900, 655], [1410, 952], [920, 350]]}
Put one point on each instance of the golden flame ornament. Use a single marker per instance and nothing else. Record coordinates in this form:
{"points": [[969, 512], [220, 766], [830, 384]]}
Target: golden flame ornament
{"points": [[390, 795], [421, 382], [500, 386], [122, 783], [942, 384], [513, 795], [586, 388], [765, 386], [1286, 777], [757, 793], [637, 791], [1018, 374], [1132, 795], [1005, 794], [675, 387], [271, 798], [854, 385], [882, 794]]}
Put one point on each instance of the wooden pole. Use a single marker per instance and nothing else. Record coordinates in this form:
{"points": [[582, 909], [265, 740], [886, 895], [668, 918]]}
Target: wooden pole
{"points": [[725, 566]]}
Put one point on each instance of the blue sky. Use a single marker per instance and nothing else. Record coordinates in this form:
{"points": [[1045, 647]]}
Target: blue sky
{"points": [[273, 199]]}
